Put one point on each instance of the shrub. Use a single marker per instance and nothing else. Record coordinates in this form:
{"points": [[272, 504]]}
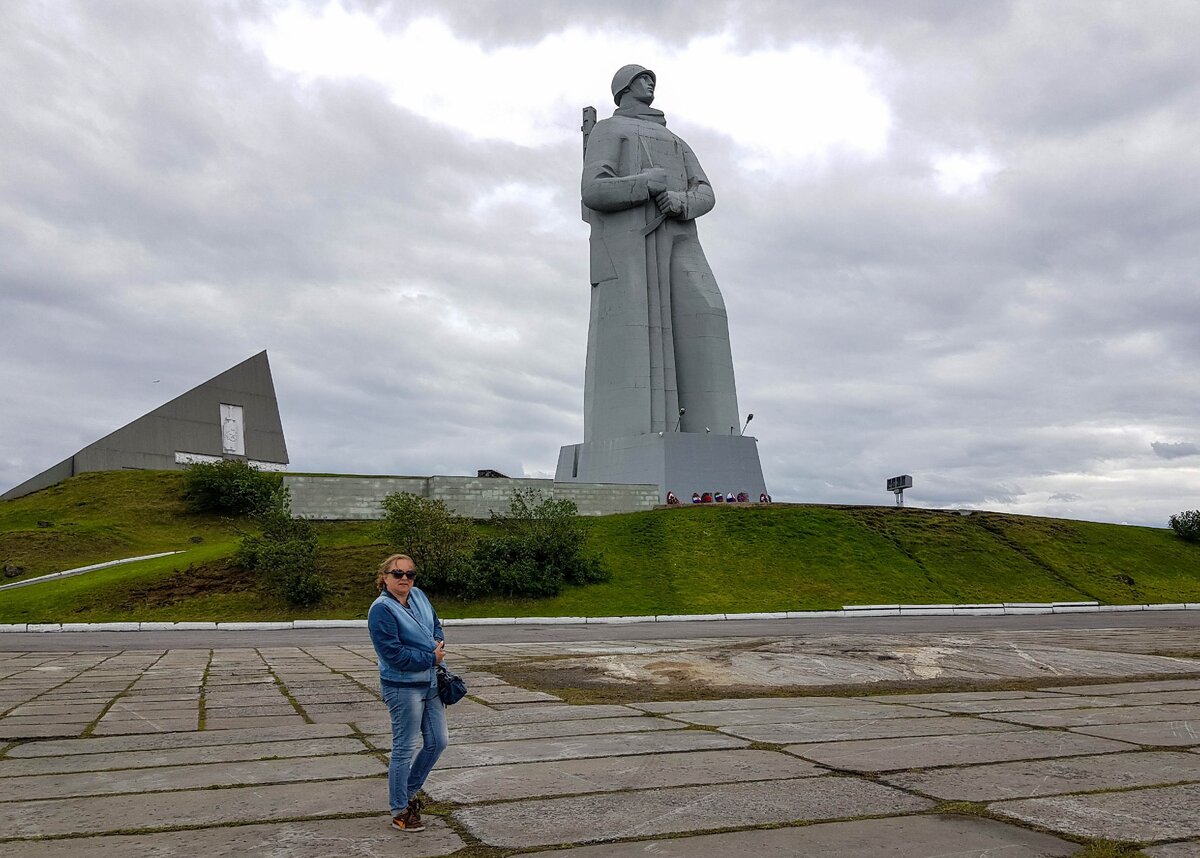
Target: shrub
{"points": [[508, 566], [539, 550], [284, 556], [232, 488], [1186, 524], [436, 539]]}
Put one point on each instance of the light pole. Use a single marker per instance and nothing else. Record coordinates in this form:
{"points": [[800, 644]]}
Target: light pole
{"points": [[897, 485]]}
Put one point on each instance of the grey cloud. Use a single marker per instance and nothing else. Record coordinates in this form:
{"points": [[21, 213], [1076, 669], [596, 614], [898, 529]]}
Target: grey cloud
{"points": [[1167, 450], [174, 205]]}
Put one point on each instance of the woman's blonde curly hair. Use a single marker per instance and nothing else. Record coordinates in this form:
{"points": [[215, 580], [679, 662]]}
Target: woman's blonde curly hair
{"points": [[385, 567]]}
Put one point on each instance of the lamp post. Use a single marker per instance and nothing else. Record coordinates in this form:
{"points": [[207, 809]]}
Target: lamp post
{"points": [[897, 485]]}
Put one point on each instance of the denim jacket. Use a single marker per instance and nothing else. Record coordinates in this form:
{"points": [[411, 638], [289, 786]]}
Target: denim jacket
{"points": [[404, 638]]}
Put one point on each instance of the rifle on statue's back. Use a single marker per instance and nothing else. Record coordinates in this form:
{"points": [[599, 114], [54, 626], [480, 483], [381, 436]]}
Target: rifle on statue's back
{"points": [[589, 121]]}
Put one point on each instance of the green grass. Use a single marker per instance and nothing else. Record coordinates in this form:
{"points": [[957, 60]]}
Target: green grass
{"points": [[1108, 849], [103, 516], [686, 560]]}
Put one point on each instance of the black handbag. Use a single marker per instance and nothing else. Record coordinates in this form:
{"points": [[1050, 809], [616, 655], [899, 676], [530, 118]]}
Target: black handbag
{"points": [[451, 687]]}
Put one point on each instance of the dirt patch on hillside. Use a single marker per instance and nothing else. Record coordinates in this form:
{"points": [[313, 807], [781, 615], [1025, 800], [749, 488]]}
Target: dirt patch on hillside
{"points": [[220, 576]]}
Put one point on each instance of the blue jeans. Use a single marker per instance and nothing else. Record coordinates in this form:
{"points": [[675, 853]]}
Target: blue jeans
{"points": [[419, 736]]}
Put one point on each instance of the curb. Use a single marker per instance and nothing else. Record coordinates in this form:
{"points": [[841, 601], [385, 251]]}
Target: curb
{"points": [[849, 611]]}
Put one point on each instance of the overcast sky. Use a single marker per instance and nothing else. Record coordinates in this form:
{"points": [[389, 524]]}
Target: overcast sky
{"points": [[955, 240]]}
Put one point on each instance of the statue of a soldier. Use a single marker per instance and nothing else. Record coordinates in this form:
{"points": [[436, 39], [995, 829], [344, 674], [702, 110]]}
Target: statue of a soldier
{"points": [[658, 343]]}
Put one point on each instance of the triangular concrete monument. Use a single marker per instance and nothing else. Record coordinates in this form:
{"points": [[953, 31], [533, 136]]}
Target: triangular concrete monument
{"points": [[233, 415]]}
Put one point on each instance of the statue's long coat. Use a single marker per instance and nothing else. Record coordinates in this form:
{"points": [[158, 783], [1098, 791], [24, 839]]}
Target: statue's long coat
{"points": [[659, 336]]}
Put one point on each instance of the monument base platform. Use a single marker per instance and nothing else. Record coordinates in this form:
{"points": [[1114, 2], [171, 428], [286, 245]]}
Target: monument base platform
{"points": [[682, 462]]}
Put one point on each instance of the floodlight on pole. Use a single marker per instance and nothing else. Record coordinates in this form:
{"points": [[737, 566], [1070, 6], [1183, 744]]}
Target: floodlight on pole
{"points": [[897, 485], [749, 417]]}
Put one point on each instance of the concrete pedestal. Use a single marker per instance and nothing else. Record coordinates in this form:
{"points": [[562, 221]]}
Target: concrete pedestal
{"points": [[682, 462]]}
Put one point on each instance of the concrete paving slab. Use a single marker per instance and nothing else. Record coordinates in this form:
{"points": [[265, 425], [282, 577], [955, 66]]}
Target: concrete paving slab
{"points": [[644, 813], [481, 715], [846, 712], [92, 686], [879, 755], [125, 727], [1165, 733], [363, 837], [940, 696], [177, 756], [199, 776], [665, 706], [1050, 777], [1156, 697], [1027, 704], [613, 774], [1145, 815], [81, 699], [36, 728], [1106, 715], [190, 808], [281, 708], [508, 694], [894, 837], [134, 714], [842, 731], [226, 702], [372, 721], [467, 706], [1187, 849], [365, 707], [138, 704], [192, 739], [551, 729], [58, 709], [349, 717], [1130, 687], [325, 698], [216, 722], [577, 747], [834, 659]]}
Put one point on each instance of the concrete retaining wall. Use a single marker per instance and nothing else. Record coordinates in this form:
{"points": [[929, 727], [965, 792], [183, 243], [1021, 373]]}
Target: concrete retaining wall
{"points": [[336, 498]]}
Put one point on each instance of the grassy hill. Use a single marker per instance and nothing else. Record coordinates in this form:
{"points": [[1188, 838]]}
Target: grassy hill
{"points": [[687, 560]]}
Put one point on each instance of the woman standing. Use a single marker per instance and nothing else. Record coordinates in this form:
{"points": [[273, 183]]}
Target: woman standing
{"points": [[407, 635]]}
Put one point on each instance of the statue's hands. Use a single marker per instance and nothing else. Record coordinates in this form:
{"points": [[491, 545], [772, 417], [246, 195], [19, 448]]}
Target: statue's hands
{"points": [[656, 180], [671, 203]]}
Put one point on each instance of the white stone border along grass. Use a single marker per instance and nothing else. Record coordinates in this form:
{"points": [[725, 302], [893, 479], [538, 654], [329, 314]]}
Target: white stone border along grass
{"points": [[81, 569], [849, 611]]}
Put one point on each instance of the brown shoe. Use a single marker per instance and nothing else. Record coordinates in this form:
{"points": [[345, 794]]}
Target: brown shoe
{"points": [[408, 821], [414, 811]]}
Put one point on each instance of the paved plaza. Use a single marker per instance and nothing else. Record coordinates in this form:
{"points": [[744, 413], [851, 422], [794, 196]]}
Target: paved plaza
{"points": [[280, 748]]}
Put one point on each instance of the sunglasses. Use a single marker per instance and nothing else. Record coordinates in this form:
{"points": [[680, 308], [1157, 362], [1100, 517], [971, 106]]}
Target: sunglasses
{"points": [[411, 576]]}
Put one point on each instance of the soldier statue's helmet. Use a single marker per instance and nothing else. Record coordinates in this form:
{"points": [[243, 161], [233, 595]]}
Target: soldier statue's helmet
{"points": [[624, 77]]}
